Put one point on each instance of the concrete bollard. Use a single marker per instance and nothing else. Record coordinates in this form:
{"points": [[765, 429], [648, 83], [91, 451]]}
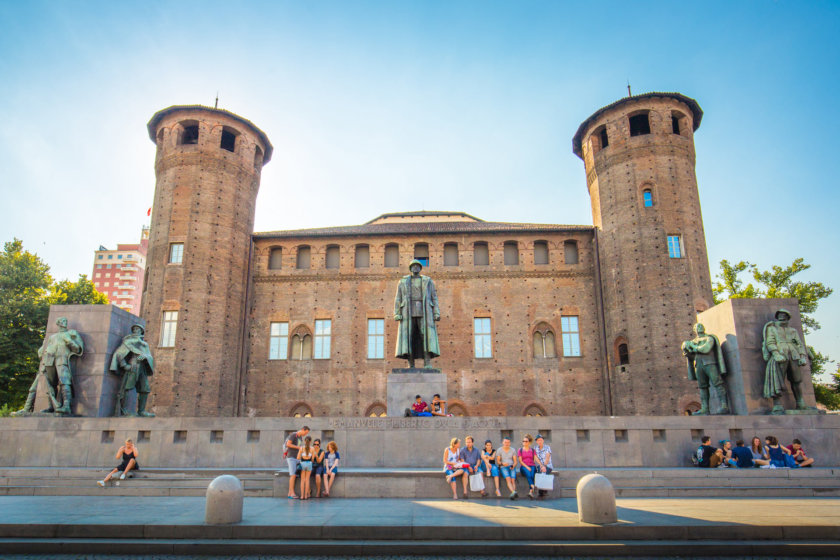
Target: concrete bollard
{"points": [[596, 500], [225, 496]]}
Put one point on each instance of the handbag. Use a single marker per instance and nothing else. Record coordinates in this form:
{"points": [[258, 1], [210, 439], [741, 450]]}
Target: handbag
{"points": [[476, 482], [544, 481]]}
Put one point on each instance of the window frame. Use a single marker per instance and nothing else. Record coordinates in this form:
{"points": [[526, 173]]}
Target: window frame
{"points": [[321, 341], [376, 351], [485, 337], [570, 338], [168, 329], [679, 253], [176, 251]]}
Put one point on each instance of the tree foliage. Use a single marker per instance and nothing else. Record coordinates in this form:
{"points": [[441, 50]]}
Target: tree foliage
{"points": [[26, 292]]}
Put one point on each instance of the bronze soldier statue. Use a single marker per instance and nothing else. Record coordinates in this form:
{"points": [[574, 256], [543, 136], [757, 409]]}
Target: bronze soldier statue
{"points": [[416, 309], [133, 361], [706, 365], [785, 354], [55, 354]]}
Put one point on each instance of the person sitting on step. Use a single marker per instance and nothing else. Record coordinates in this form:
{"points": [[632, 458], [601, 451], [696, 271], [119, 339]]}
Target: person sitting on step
{"points": [[128, 454], [798, 454], [418, 408], [452, 465]]}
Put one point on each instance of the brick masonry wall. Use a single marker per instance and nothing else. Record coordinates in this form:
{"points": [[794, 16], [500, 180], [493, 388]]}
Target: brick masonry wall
{"points": [[516, 297]]}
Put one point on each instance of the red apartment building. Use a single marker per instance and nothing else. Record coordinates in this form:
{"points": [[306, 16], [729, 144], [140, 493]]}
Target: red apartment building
{"points": [[119, 273]]}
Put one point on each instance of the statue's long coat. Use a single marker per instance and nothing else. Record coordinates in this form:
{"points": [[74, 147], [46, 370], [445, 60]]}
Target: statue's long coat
{"points": [[428, 325]]}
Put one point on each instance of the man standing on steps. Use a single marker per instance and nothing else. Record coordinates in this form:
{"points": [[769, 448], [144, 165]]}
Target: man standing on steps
{"points": [[416, 309], [290, 453]]}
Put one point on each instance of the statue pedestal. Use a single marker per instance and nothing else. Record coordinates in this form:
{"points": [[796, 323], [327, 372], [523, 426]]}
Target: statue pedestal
{"points": [[102, 328], [739, 324], [405, 383]]}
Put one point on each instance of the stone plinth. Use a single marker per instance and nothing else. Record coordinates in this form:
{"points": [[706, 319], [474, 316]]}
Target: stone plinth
{"points": [[596, 500], [404, 384], [225, 497], [102, 327], [739, 324]]}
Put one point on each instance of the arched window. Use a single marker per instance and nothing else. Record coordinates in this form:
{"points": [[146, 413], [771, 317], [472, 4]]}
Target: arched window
{"points": [[481, 253], [678, 120], [392, 255], [544, 342], [511, 253], [534, 410], [333, 256], [275, 258], [301, 344], [647, 198], [376, 410], [304, 255], [457, 410], [623, 354], [570, 252], [421, 253], [258, 158], [450, 254], [228, 141], [189, 133], [362, 256], [639, 124], [599, 139], [301, 410], [540, 252]]}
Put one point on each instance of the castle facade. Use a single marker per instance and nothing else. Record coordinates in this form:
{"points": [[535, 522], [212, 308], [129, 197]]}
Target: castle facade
{"points": [[537, 319]]}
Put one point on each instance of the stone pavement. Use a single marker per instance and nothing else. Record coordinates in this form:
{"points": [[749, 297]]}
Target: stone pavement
{"points": [[647, 526]]}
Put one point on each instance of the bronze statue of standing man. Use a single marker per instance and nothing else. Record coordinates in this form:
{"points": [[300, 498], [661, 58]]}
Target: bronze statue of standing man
{"points": [[785, 354], [133, 361], [706, 366], [416, 309]]}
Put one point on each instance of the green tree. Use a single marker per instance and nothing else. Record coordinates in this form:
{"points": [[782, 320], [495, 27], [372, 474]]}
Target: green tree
{"points": [[26, 292], [24, 306], [729, 285]]}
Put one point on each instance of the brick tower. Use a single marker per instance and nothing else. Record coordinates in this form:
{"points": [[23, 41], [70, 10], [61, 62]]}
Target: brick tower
{"points": [[653, 268], [207, 171]]}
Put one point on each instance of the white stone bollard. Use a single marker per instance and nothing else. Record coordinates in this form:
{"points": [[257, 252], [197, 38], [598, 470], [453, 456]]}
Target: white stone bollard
{"points": [[596, 500], [224, 501]]}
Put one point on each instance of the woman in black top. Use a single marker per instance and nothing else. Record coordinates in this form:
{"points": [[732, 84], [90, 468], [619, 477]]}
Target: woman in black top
{"points": [[317, 466], [128, 454]]}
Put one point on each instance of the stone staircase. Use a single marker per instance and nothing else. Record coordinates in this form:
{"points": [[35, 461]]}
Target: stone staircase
{"points": [[630, 482]]}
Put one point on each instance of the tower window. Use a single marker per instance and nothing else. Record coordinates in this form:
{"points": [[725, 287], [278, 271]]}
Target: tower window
{"points": [[675, 124], [623, 355], [304, 254], [602, 135], [675, 250], [362, 256], [168, 328], [511, 253], [647, 197], [421, 253], [190, 133], [392, 255], [228, 140], [176, 253], [639, 124], [275, 258], [481, 254], [333, 257], [540, 252], [450, 254], [258, 158], [570, 252]]}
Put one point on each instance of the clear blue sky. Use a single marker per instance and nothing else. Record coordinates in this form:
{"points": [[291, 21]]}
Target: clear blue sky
{"points": [[390, 106]]}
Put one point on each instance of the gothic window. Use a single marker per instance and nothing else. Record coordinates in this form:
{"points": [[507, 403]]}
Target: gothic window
{"points": [[570, 252], [333, 256], [511, 253], [481, 254], [450, 254], [544, 342], [362, 256], [304, 255], [640, 124], [278, 341], [571, 335], [323, 328], [301, 410], [540, 252], [275, 258], [376, 410], [301, 344], [421, 253], [392, 255]]}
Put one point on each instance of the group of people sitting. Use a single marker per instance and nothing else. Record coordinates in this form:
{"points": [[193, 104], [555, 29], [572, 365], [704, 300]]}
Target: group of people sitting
{"points": [[769, 456], [420, 408], [469, 462], [306, 459]]}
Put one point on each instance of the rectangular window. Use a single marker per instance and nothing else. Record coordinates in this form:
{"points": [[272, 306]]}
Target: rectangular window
{"points": [[322, 339], [278, 341], [483, 346], [168, 328], [571, 335], [119, 256], [648, 198], [110, 256], [107, 284], [99, 256], [176, 253], [675, 247], [450, 254], [99, 265], [376, 339]]}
